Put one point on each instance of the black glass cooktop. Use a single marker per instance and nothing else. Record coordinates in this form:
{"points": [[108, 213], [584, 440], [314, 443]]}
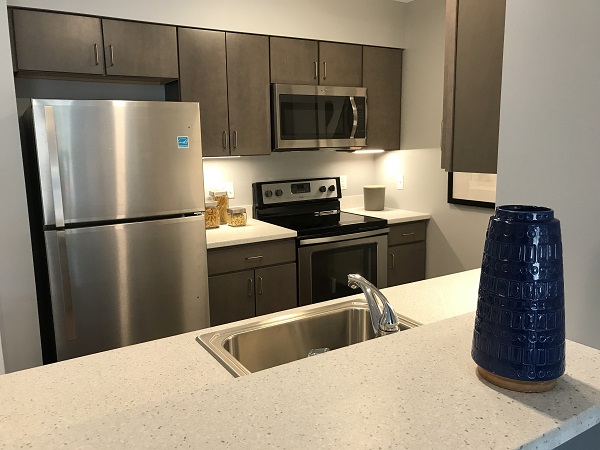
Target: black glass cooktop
{"points": [[327, 224]]}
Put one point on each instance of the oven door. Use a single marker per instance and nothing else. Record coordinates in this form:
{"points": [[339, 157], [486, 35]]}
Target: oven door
{"points": [[318, 117], [324, 264]]}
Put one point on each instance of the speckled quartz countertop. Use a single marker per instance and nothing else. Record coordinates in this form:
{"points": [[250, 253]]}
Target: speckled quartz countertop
{"points": [[254, 231], [393, 216], [415, 389]]}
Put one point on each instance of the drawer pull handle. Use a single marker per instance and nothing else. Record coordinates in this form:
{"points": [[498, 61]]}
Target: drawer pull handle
{"points": [[408, 234], [254, 258]]}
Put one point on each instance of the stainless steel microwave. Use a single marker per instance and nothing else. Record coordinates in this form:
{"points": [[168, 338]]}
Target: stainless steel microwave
{"points": [[311, 117]]}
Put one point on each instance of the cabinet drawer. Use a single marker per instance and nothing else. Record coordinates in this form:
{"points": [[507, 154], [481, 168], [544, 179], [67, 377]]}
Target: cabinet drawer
{"points": [[231, 259], [407, 232]]}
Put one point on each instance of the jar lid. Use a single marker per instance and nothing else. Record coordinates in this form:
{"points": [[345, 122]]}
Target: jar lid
{"points": [[236, 210], [217, 193], [210, 203]]}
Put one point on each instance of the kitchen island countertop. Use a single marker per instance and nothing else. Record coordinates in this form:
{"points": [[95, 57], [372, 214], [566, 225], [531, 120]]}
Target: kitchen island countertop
{"points": [[414, 389]]}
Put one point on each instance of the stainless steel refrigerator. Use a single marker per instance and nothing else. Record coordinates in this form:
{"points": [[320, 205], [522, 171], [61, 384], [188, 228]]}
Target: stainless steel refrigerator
{"points": [[116, 200]]}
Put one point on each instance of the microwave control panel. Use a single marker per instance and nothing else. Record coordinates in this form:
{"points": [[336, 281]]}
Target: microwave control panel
{"points": [[297, 190]]}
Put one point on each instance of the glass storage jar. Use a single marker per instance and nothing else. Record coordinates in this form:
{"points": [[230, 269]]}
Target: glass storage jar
{"points": [[221, 198], [236, 217], [212, 215]]}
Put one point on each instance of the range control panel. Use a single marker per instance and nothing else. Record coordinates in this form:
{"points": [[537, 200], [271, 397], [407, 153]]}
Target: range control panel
{"points": [[299, 190]]}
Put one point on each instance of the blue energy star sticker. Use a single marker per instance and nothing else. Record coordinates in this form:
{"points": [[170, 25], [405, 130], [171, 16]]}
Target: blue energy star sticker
{"points": [[183, 142]]}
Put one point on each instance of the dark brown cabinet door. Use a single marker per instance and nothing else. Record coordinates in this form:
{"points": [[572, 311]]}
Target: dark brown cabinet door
{"points": [[231, 297], [382, 76], [275, 288], [203, 79], [140, 49], [340, 64], [472, 85], [294, 61], [248, 94], [52, 42], [406, 263]]}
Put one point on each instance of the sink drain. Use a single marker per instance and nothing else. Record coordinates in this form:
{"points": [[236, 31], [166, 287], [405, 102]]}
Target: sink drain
{"points": [[317, 351]]}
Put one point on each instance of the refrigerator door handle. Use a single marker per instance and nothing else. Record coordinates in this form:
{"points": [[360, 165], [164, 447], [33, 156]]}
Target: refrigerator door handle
{"points": [[59, 215], [65, 281]]}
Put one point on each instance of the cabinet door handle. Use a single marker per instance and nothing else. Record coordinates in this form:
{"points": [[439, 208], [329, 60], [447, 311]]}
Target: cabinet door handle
{"points": [[259, 286], [250, 287], [324, 70], [225, 140], [254, 258], [408, 234], [316, 70], [112, 55], [393, 260], [235, 139], [96, 57]]}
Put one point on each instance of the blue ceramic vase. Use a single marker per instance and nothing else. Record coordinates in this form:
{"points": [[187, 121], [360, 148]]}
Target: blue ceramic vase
{"points": [[520, 321]]}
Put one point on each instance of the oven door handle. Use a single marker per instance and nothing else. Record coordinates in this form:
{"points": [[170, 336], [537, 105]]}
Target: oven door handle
{"points": [[344, 237]]}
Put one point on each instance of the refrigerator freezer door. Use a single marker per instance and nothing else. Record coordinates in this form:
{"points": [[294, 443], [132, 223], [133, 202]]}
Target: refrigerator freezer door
{"points": [[116, 285], [110, 160]]}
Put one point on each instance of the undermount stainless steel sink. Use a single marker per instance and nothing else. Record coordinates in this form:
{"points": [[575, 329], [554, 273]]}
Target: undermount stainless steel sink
{"points": [[265, 343]]}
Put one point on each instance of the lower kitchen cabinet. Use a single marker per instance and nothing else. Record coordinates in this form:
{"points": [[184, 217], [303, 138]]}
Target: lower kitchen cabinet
{"points": [[231, 297], [275, 288], [406, 253], [251, 280]]}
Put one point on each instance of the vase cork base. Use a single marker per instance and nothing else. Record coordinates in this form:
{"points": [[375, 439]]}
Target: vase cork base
{"points": [[516, 385]]}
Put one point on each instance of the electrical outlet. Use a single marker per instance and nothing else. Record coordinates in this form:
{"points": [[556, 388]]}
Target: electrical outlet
{"points": [[344, 181], [400, 182], [225, 186]]}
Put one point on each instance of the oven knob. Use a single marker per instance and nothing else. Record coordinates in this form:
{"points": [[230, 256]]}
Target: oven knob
{"points": [[332, 188], [322, 189], [278, 192], [268, 193]]}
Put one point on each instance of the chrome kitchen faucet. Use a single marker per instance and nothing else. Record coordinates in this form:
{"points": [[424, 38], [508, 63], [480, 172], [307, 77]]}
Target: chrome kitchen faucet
{"points": [[383, 319]]}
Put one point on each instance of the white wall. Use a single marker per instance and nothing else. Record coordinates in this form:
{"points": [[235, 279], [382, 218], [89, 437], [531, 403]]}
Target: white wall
{"points": [[455, 234], [360, 170], [18, 308], [550, 136], [375, 22]]}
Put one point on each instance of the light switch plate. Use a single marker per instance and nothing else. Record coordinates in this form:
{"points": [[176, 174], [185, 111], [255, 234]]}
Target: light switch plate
{"points": [[344, 181], [400, 182]]}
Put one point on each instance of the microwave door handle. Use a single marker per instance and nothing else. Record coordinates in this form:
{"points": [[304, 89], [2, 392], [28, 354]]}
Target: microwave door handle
{"points": [[355, 117]]}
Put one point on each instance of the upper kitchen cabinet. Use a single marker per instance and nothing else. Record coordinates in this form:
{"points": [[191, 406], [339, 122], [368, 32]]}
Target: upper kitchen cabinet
{"points": [[248, 94], [49, 42], [68, 45], [382, 76], [472, 83], [340, 64], [228, 74], [140, 49], [203, 79], [302, 61], [294, 61]]}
